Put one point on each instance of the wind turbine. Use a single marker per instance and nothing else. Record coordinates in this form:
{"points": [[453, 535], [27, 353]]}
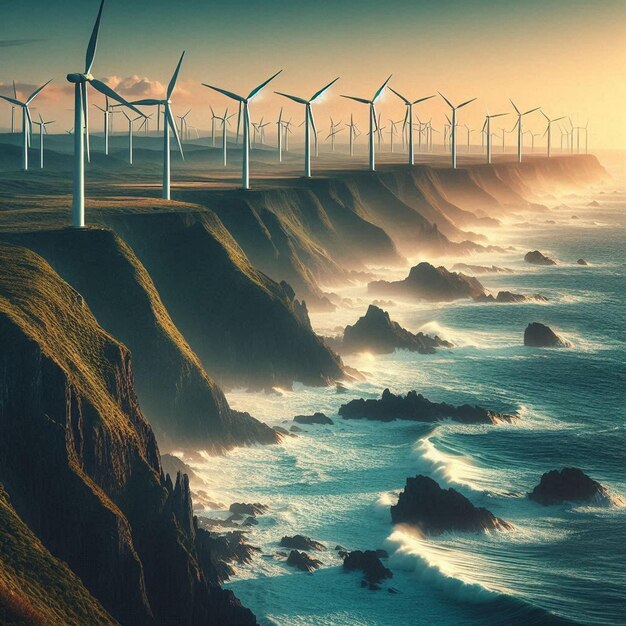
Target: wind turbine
{"points": [[244, 103], [453, 125], [131, 121], [42, 131], [262, 127], [518, 125], [107, 112], [168, 123], [183, 125], [27, 121], [372, 107], [487, 129], [309, 123], [279, 135], [334, 129], [13, 110], [548, 132], [81, 114], [214, 118], [353, 133], [331, 135], [225, 122], [469, 132], [408, 120], [287, 126], [379, 131]]}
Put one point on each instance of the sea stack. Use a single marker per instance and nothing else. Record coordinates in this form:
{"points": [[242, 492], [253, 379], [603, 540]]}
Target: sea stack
{"points": [[569, 485], [539, 335], [538, 258]]}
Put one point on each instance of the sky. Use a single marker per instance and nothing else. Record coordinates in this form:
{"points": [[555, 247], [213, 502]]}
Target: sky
{"points": [[567, 56]]}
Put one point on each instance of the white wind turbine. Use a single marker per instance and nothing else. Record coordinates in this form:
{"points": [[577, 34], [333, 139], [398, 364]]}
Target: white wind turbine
{"points": [[379, 131], [287, 126], [42, 131], [27, 121], [453, 125], [353, 133], [548, 132], [107, 112], [131, 121], [244, 103], [13, 110], [225, 121], [309, 122], [334, 129], [518, 125], [372, 107], [469, 132], [214, 119], [168, 123], [487, 130], [408, 119], [279, 135], [393, 131], [81, 116]]}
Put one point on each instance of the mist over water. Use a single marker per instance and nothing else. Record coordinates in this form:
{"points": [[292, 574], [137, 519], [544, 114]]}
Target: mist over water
{"points": [[559, 564]]}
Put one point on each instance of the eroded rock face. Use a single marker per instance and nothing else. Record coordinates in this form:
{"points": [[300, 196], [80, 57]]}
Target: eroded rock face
{"points": [[434, 510], [426, 282], [368, 562], [539, 335], [316, 418], [300, 542], [537, 258], [417, 408], [247, 508], [303, 561], [569, 485], [376, 332]]}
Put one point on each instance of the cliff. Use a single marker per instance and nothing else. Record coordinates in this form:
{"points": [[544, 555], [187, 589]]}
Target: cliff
{"points": [[80, 464]]}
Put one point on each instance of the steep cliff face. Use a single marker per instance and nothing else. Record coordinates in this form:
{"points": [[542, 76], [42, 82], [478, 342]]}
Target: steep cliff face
{"points": [[246, 328], [80, 462], [184, 406]]}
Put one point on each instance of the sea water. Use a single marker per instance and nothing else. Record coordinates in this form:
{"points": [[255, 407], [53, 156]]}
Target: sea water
{"points": [[560, 564]]}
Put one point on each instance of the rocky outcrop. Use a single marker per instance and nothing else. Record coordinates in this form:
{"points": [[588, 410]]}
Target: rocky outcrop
{"points": [[569, 485], [582, 262], [481, 269], [183, 404], [537, 258], [415, 407], [368, 562], [300, 542], [426, 282], [302, 561], [539, 335], [507, 297], [376, 332], [80, 462], [316, 418], [247, 508], [434, 510]]}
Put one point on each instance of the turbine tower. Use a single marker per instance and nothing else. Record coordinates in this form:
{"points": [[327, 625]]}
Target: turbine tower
{"points": [[372, 107], [168, 123], [244, 103], [453, 125], [408, 120], [518, 125], [392, 132], [548, 132], [225, 120], [81, 115], [131, 121], [42, 131], [27, 121], [334, 129], [353, 133], [309, 122], [279, 135], [487, 130], [107, 112]]}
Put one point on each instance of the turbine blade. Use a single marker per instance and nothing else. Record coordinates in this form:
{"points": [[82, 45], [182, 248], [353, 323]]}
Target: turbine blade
{"points": [[170, 87], [85, 98], [362, 100], [230, 94], [559, 118], [516, 109], [13, 101], [399, 96], [498, 114], [381, 89], [104, 89], [145, 102], [421, 99], [466, 103], [294, 98], [531, 110], [256, 90], [317, 94], [93, 42], [170, 120], [310, 112], [34, 94], [14, 91], [482, 130], [446, 99]]}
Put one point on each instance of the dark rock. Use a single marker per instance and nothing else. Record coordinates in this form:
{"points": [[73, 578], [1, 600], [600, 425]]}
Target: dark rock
{"points": [[369, 563], [172, 465], [339, 547], [575, 217], [434, 510], [300, 542], [537, 258], [251, 521], [296, 429], [303, 561], [417, 408], [376, 332], [244, 508], [594, 203], [538, 335], [427, 282], [509, 297], [582, 262], [569, 485], [383, 554], [316, 418]]}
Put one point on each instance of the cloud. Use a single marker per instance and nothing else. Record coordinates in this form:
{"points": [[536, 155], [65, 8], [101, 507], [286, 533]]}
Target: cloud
{"points": [[12, 43], [136, 87]]}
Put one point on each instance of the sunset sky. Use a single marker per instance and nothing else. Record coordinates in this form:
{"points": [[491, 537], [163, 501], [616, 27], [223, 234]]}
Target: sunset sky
{"points": [[567, 56]]}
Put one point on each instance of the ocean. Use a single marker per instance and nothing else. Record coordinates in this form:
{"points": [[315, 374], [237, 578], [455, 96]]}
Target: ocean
{"points": [[560, 564]]}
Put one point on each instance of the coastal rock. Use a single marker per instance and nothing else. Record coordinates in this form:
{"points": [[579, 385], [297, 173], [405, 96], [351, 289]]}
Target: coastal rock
{"points": [[481, 269], [537, 258], [368, 562], [539, 335], [376, 332], [426, 282], [244, 508], [509, 297], [593, 203], [316, 418], [434, 510], [416, 407], [582, 262], [569, 485], [303, 561], [300, 542]]}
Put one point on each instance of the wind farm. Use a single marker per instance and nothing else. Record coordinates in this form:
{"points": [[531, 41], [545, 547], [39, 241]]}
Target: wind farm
{"points": [[319, 320]]}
